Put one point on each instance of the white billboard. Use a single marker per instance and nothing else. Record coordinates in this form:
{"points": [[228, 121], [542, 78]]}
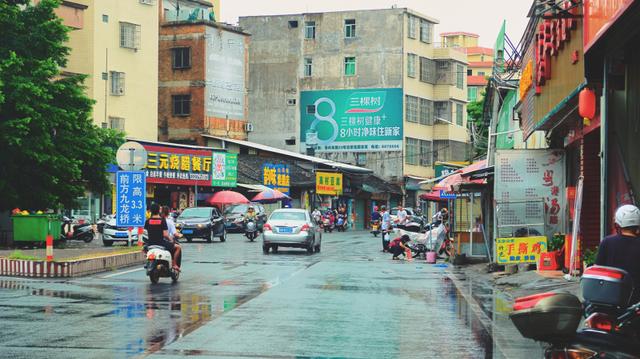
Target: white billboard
{"points": [[225, 74]]}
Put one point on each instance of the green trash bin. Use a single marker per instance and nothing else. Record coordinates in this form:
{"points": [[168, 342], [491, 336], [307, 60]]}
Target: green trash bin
{"points": [[35, 227]]}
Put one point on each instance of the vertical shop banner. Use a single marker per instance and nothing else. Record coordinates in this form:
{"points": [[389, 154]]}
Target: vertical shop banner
{"points": [[358, 120], [530, 186], [225, 170], [329, 183], [181, 166], [520, 250], [131, 204], [276, 176]]}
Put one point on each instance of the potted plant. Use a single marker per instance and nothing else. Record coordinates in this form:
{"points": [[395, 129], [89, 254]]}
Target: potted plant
{"points": [[553, 258], [589, 257]]}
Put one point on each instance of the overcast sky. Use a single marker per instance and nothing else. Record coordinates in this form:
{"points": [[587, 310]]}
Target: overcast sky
{"points": [[482, 17]]}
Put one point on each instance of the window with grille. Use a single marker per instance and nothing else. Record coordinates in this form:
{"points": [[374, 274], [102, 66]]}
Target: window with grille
{"points": [[411, 65], [412, 27], [129, 35], [460, 76], [426, 31], [117, 83], [116, 123], [412, 108], [444, 70], [472, 93], [181, 57], [349, 66], [308, 67], [181, 105], [350, 28], [425, 153], [443, 110], [459, 115], [427, 70], [411, 151], [310, 30], [426, 112]]}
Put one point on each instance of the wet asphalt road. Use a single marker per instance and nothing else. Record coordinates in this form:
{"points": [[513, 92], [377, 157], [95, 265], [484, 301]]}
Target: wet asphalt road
{"points": [[232, 301]]}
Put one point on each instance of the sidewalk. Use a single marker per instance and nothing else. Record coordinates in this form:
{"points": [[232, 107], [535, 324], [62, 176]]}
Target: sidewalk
{"points": [[491, 297]]}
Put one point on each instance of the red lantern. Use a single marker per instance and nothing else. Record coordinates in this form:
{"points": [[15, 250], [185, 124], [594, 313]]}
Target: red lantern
{"points": [[587, 103]]}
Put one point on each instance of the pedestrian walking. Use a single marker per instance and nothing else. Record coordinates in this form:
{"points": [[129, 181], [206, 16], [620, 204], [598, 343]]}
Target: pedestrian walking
{"points": [[386, 228]]}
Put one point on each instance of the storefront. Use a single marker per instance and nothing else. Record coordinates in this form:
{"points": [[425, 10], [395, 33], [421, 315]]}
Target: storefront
{"points": [[612, 70]]}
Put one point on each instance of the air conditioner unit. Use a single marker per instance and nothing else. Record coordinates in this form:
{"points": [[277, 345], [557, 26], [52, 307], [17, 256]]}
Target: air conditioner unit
{"points": [[248, 127]]}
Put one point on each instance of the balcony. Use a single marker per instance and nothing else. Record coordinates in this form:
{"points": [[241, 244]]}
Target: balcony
{"points": [[188, 14]]}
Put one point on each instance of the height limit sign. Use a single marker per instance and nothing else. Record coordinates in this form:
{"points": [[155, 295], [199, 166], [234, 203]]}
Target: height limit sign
{"points": [[130, 198]]}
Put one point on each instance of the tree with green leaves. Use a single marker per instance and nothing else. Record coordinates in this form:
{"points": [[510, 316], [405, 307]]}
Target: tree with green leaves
{"points": [[479, 129], [50, 150]]}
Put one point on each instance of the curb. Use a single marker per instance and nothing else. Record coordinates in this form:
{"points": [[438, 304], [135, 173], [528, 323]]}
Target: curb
{"points": [[68, 269]]}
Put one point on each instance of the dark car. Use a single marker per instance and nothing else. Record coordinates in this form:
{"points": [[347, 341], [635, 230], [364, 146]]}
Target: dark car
{"points": [[201, 222], [233, 215]]}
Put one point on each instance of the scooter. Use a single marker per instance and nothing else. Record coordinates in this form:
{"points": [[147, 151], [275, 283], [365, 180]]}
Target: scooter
{"points": [[554, 317], [250, 229], [327, 224], [81, 232], [341, 224], [375, 228], [158, 264]]}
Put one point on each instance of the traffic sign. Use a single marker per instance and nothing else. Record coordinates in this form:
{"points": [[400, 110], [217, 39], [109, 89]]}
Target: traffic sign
{"points": [[130, 198], [131, 156]]}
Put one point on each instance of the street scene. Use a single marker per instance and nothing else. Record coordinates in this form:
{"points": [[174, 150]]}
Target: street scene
{"points": [[299, 179]]}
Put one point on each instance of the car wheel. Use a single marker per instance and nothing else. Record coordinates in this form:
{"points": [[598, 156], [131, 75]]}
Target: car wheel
{"points": [[265, 249], [318, 248], [274, 248], [310, 249], [188, 239], [107, 243], [223, 237]]}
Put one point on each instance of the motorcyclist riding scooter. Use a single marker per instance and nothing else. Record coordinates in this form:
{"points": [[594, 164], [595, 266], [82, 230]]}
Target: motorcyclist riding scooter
{"points": [[250, 223]]}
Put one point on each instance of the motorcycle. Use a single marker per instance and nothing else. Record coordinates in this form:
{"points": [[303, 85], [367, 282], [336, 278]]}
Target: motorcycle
{"points": [[341, 223], [327, 224], [250, 229], [611, 326], [375, 228], [158, 264], [414, 224], [81, 231]]}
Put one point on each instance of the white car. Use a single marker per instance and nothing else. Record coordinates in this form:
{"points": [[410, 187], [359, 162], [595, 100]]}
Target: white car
{"points": [[111, 233], [289, 227]]}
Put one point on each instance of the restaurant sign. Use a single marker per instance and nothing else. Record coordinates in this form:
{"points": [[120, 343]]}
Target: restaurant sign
{"points": [[329, 183], [276, 176], [520, 249], [179, 166], [225, 170]]}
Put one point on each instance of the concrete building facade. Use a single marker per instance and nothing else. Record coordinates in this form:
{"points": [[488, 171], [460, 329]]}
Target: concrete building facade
{"points": [[399, 101], [203, 76], [115, 43], [480, 59]]}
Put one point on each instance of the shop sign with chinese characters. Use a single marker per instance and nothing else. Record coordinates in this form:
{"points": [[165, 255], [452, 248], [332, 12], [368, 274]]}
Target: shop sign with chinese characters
{"points": [[530, 186], [180, 166], [329, 183], [225, 170], [130, 198], [276, 176], [520, 249]]}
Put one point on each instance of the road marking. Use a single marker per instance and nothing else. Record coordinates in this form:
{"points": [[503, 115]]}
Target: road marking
{"points": [[121, 273]]}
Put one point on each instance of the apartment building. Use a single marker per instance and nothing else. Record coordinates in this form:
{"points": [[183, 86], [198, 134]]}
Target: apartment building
{"points": [[203, 74], [115, 43], [364, 87], [480, 59]]}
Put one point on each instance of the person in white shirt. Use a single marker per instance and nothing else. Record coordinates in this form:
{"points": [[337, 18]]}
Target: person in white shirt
{"points": [[173, 233], [402, 217]]}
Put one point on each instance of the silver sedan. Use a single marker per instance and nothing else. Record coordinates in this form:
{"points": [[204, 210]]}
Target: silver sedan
{"points": [[289, 227]]}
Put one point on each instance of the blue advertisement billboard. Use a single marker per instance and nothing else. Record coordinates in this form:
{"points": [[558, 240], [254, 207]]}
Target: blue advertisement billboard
{"points": [[358, 120]]}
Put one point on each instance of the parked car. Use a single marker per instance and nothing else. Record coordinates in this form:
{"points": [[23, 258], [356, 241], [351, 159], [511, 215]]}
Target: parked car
{"points": [[235, 212], [201, 222], [289, 227], [112, 233]]}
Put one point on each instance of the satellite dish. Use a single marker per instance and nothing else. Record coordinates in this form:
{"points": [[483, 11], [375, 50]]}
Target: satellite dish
{"points": [[131, 156]]}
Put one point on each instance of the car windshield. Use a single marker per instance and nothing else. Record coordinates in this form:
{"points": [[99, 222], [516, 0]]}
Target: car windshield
{"points": [[288, 216], [236, 209], [196, 213]]}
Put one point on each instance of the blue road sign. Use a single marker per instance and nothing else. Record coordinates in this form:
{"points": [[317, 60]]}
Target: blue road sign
{"points": [[447, 195], [130, 198]]}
